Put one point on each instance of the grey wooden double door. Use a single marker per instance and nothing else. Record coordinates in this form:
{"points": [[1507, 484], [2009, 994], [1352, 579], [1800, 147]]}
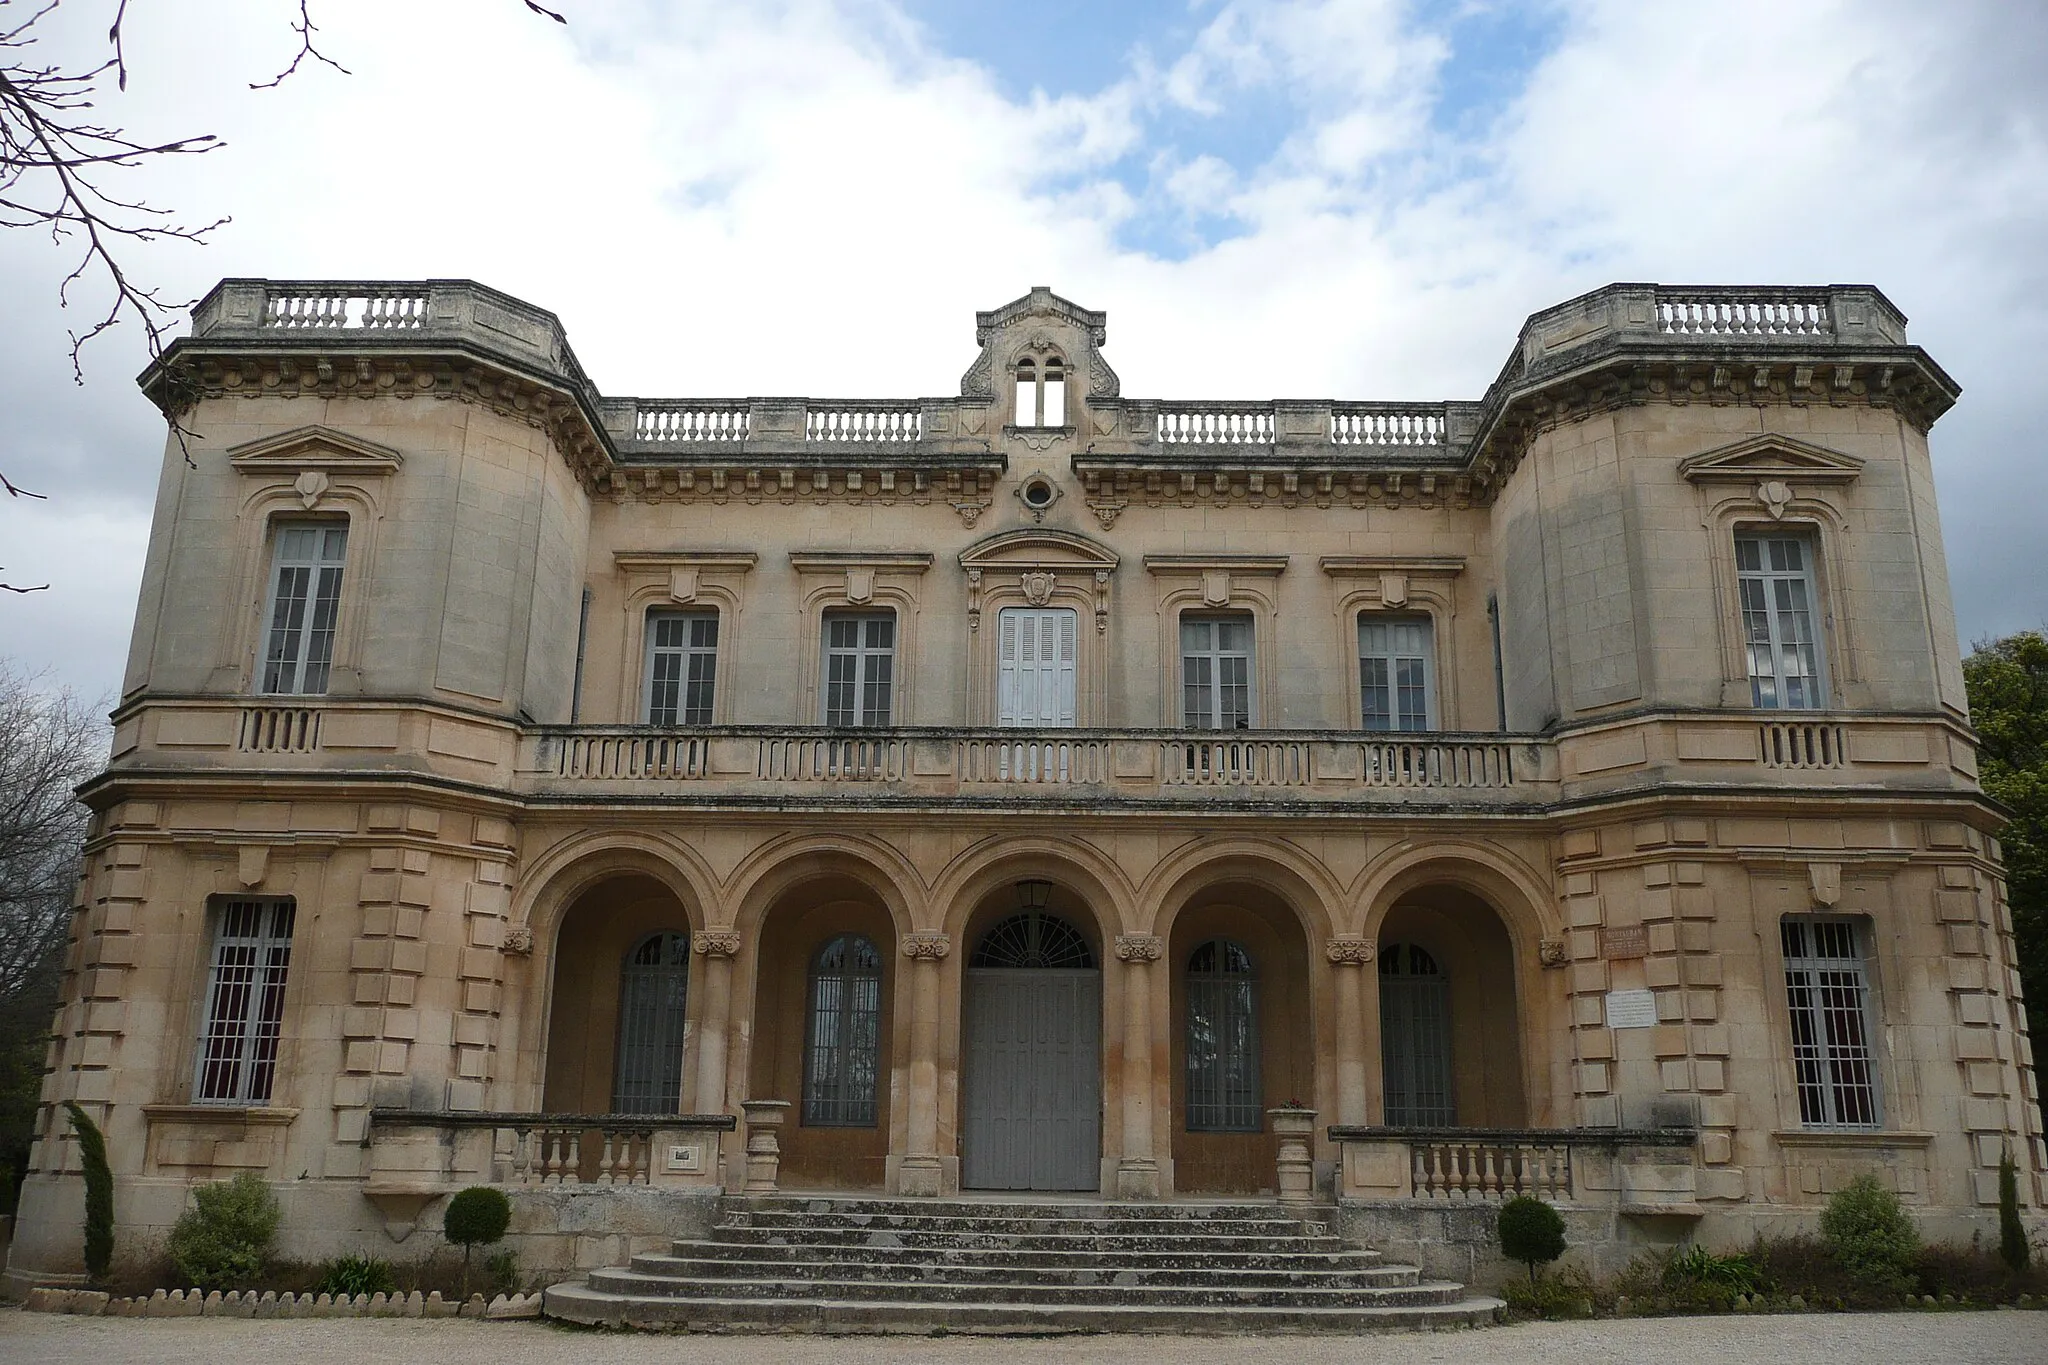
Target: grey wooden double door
{"points": [[1034, 1079]]}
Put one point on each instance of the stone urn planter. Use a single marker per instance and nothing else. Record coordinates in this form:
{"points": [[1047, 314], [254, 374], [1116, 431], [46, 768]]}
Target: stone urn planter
{"points": [[1295, 1127], [764, 1143]]}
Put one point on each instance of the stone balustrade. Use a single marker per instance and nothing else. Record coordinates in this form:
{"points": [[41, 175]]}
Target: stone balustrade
{"points": [[1631, 1170], [413, 1152]]}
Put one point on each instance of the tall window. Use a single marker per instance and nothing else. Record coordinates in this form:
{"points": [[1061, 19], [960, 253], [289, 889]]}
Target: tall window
{"points": [[841, 1061], [1223, 1040], [305, 595], [1396, 677], [1415, 1038], [1035, 666], [1216, 672], [860, 666], [1828, 989], [654, 989], [1776, 577], [1041, 393], [252, 950], [682, 667]]}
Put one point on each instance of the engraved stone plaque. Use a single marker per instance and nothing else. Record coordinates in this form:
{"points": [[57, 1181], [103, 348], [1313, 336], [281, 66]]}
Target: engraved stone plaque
{"points": [[1624, 940], [1631, 1009]]}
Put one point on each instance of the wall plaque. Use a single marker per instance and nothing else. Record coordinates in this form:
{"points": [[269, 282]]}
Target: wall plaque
{"points": [[1631, 1009], [1624, 940]]}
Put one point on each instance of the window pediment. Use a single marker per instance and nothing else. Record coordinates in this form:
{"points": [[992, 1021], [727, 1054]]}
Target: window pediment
{"points": [[1037, 549], [1765, 458], [314, 448]]}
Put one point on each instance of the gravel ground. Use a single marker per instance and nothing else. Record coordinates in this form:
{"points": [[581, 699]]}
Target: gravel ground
{"points": [[2004, 1338]]}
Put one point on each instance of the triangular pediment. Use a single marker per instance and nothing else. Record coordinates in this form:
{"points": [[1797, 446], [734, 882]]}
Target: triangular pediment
{"points": [[1771, 457], [314, 447], [1037, 549]]}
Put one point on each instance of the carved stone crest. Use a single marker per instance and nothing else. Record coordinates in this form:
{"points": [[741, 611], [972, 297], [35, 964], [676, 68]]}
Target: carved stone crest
{"points": [[1824, 880], [926, 947], [1552, 952], [1140, 947], [1350, 949], [310, 486], [716, 942], [518, 940], [1776, 496], [1038, 588]]}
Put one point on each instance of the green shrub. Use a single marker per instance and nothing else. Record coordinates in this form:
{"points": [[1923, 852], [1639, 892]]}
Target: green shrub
{"points": [[1698, 1268], [501, 1272], [1566, 1294], [349, 1275], [2012, 1234], [224, 1240], [475, 1217], [1530, 1231], [1869, 1233], [99, 1192]]}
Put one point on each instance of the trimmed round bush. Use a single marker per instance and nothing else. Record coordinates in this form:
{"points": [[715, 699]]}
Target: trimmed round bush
{"points": [[477, 1216], [1530, 1232], [224, 1240], [1868, 1231]]}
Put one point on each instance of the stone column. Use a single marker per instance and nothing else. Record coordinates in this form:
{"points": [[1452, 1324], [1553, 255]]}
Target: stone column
{"points": [[1137, 1171], [1350, 955], [921, 1173], [717, 947]]}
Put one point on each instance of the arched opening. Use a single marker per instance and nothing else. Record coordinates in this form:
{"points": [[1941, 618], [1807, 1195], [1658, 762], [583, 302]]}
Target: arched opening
{"points": [[1032, 1034], [823, 1030], [1450, 1031], [1241, 1038], [618, 1019]]}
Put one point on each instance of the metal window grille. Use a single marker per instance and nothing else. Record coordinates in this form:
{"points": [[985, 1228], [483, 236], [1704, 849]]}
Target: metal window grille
{"points": [[843, 1059], [1415, 1038], [1216, 672], [305, 598], [1224, 1094], [1827, 987], [1396, 675], [1775, 574], [682, 667], [252, 951], [1032, 939], [654, 984], [860, 662]]}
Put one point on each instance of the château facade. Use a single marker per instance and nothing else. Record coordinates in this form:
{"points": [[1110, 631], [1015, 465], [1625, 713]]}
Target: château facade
{"points": [[1568, 790]]}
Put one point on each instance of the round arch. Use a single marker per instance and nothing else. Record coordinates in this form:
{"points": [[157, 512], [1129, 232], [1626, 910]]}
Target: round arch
{"points": [[777, 868], [1294, 878]]}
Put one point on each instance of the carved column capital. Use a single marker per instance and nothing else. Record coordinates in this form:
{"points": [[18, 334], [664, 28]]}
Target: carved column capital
{"points": [[1140, 947], [1350, 950], [518, 940], [1553, 952], [926, 947], [716, 942]]}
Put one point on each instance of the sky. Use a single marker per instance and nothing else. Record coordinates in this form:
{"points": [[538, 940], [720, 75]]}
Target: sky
{"points": [[1356, 199]]}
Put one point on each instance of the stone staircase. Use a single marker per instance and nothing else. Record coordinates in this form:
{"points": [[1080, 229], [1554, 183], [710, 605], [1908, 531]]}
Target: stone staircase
{"points": [[796, 1263]]}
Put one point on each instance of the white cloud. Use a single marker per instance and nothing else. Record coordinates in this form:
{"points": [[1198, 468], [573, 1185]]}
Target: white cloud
{"points": [[810, 198]]}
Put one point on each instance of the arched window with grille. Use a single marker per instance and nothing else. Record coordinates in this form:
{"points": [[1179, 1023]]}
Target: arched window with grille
{"points": [[1415, 1038], [1223, 1090], [654, 982], [843, 1052]]}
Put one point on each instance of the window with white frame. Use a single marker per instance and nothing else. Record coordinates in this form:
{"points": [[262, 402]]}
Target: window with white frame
{"points": [[1035, 650], [252, 950], [1216, 672], [1827, 987], [1779, 629], [682, 667], [860, 668], [305, 598], [1396, 673], [1041, 393]]}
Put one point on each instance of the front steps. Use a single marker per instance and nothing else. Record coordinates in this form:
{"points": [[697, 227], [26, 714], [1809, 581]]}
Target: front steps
{"points": [[796, 1263]]}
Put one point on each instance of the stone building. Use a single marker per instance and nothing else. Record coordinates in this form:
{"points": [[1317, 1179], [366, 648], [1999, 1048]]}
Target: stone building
{"points": [[1569, 790]]}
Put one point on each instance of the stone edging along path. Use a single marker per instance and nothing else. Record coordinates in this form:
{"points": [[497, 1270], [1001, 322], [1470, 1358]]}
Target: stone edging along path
{"points": [[197, 1303]]}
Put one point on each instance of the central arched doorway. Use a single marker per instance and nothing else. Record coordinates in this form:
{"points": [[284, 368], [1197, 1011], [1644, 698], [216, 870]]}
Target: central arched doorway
{"points": [[1033, 1102]]}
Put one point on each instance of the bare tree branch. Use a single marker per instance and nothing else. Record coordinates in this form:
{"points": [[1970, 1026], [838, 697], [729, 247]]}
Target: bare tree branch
{"points": [[306, 28]]}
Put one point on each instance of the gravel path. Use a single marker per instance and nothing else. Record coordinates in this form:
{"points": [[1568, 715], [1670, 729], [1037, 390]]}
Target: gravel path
{"points": [[2004, 1338]]}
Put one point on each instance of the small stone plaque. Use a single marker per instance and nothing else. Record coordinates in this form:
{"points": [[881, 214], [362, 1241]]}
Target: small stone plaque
{"points": [[1624, 940], [1631, 1009]]}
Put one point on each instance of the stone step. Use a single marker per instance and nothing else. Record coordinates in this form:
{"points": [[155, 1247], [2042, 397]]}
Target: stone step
{"points": [[1187, 1243], [770, 1255], [1045, 1224], [584, 1304], [1363, 1276], [998, 1207], [632, 1284]]}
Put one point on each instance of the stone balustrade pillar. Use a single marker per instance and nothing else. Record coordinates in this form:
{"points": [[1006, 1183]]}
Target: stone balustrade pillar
{"points": [[717, 947], [1351, 955], [921, 1173], [1137, 1170]]}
